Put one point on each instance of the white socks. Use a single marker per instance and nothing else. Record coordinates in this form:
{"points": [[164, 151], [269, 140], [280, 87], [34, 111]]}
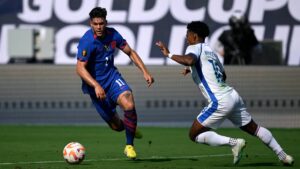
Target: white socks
{"points": [[212, 138], [266, 137]]}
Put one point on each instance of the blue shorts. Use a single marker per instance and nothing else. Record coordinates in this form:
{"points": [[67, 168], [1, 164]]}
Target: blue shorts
{"points": [[107, 108]]}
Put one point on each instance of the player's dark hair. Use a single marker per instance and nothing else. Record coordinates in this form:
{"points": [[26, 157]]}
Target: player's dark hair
{"points": [[198, 27], [98, 12]]}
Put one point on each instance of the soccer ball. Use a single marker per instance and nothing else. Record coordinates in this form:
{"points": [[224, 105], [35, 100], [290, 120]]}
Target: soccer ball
{"points": [[74, 153]]}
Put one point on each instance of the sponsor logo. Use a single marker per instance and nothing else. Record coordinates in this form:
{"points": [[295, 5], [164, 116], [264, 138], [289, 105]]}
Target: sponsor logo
{"points": [[142, 24]]}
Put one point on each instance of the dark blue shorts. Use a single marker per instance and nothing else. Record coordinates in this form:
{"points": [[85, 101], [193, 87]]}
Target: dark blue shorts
{"points": [[107, 108]]}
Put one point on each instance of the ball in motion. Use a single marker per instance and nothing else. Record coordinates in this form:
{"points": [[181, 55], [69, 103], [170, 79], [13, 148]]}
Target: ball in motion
{"points": [[74, 153]]}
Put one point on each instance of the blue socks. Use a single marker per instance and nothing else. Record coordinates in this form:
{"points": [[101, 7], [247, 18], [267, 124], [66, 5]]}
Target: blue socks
{"points": [[130, 122]]}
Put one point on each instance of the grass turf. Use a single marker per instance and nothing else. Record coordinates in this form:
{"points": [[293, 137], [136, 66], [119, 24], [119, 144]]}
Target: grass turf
{"points": [[40, 147]]}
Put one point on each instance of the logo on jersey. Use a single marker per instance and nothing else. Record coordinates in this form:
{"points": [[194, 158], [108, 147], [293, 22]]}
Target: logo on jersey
{"points": [[106, 47], [84, 53]]}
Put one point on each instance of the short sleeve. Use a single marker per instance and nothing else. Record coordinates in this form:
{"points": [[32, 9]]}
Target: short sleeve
{"points": [[192, 50], [83, 53], [121, 42]]}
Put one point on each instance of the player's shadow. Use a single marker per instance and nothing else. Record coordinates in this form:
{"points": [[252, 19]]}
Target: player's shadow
{"points": [[166, 159], [259, 165], [253, 165], [83, 164], [153, 160]]}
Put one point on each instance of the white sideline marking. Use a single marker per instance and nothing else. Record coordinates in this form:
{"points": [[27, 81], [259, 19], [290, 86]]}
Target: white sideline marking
{"points": [[120, 159]]}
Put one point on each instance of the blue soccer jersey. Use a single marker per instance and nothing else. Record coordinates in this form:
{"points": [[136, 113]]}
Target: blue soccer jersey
{"points": [[98, 53]]}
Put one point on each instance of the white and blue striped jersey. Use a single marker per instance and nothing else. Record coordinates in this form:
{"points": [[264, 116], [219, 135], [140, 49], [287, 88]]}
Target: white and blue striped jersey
{"points": [[208, 73]]}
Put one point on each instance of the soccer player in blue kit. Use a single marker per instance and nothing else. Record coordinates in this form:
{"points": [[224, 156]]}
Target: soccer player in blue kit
{"points": [[224, 101], [101, 79]]}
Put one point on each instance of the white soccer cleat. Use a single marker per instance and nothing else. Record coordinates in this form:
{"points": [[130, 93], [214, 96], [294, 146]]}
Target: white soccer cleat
{"points": [[288, 160], [237, 150]]}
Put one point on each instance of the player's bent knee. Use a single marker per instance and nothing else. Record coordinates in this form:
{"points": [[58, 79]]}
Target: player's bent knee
{"points": [[126, 101], [196, 129], [192, 136], [116, 127], [250, 128], [129, 106]]}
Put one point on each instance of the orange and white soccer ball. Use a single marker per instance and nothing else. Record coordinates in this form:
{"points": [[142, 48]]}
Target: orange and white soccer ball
{"points": [[74, 153]]}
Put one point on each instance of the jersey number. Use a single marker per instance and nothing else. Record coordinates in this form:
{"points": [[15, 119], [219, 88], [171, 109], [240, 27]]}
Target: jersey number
{"points": [[120, 82], [218, 71]]}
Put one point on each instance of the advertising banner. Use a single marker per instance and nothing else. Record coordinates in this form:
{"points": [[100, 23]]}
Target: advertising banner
{"points": [[143, 22]]}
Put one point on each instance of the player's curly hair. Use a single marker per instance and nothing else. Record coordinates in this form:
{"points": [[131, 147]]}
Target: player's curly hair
{"points": [[98, 12], [198, 27]]}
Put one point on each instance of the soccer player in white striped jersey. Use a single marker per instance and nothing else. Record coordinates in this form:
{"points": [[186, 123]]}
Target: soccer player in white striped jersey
{"points": [[224, 101]]}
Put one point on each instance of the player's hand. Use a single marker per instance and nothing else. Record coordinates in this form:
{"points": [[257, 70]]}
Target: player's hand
{"points": [[149, 79], [100, 93], [162, 48], [185, 71]]}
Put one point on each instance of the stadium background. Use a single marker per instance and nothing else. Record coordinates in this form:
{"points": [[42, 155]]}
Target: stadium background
{"points": [[39, 86]]}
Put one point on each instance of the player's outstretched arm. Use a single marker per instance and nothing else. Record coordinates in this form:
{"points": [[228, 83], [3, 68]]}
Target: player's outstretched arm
{"points": [[139, 63], [186, 60], [86, 76]]}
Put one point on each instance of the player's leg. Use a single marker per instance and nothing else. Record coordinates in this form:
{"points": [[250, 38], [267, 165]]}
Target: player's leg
{"points": [[267, 138], [213, 116], [120, 93], [240, 117], [204, 135], [116, 123], [126, 102], [107, 111], [209, 118]]}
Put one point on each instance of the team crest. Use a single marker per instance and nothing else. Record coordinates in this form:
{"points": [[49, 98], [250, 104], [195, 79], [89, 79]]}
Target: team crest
{"points": [[113, 44], [84, 53]]}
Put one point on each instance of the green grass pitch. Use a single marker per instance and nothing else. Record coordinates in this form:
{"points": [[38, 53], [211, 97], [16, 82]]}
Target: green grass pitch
{"points": [[40, 147]]}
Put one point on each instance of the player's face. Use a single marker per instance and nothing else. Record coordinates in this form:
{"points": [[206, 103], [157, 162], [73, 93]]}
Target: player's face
{"points": [[98, 25], [190, 37]]}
